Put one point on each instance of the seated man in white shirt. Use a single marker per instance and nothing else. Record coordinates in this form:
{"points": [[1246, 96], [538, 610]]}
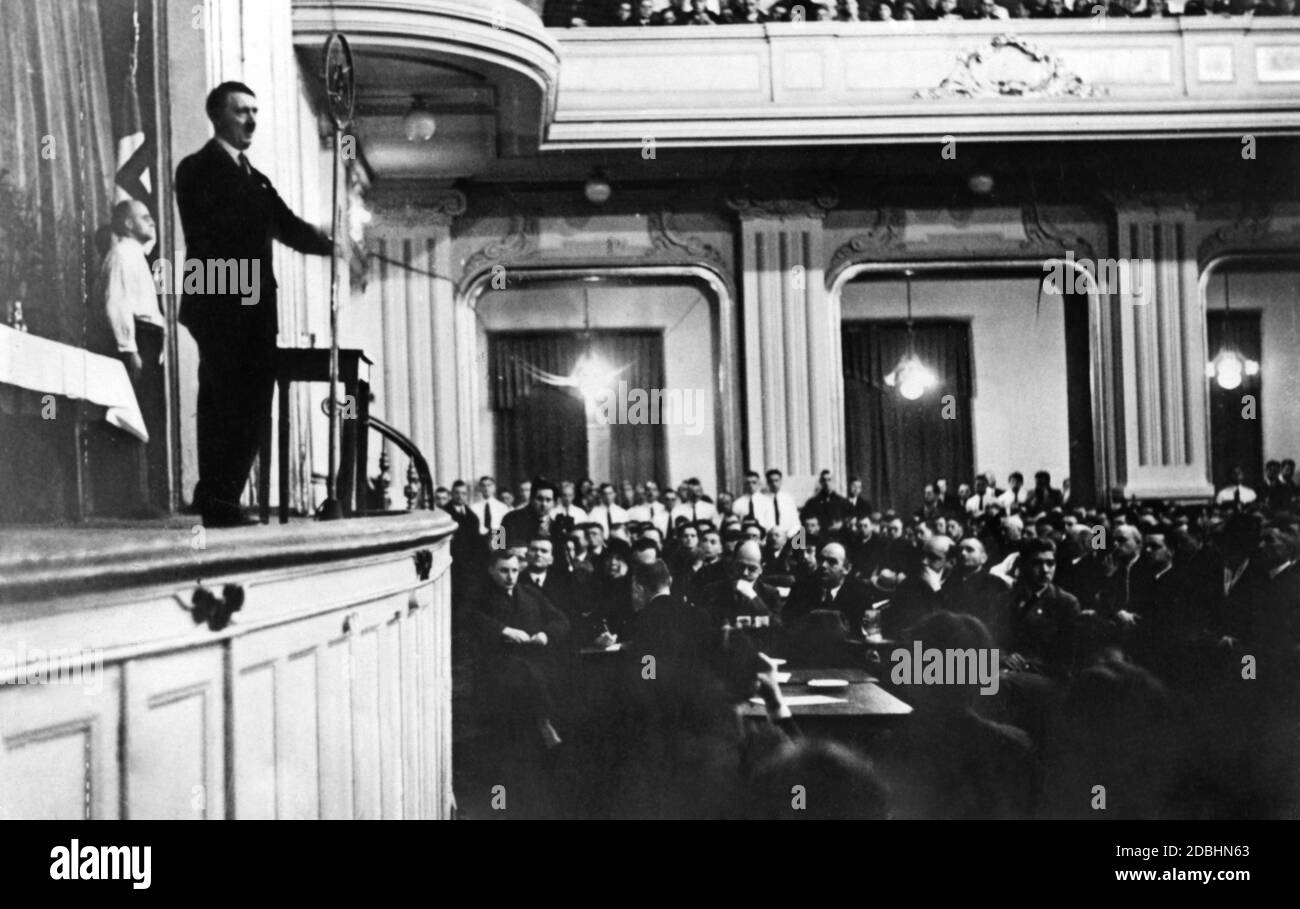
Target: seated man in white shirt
{"points": [[1015, 494]]}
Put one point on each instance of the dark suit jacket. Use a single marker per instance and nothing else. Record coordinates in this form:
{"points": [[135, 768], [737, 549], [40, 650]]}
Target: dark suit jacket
{"points": [[227, 214], [669, 625], [911, 602], [854, 598], [725, 603], [1044, 627], [561, 587], [528, 610], [983, 596], [521, 526]]}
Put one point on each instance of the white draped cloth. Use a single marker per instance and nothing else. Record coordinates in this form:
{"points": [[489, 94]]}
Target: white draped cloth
{"points": [[32, 366]]}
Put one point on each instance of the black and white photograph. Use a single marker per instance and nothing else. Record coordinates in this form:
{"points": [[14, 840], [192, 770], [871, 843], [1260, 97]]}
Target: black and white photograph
{"points": [[871, 410]]}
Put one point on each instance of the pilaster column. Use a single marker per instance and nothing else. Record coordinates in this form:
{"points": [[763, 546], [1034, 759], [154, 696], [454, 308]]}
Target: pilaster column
{"points": [[792, 374], [416, 328], [1162, 353]]}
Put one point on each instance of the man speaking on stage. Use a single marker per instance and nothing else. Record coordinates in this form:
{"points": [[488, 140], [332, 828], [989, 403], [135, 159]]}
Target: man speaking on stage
{"points": [[230, 212]]}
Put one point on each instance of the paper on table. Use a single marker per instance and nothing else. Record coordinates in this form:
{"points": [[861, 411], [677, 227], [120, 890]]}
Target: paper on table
{"points": [[804, 700]]}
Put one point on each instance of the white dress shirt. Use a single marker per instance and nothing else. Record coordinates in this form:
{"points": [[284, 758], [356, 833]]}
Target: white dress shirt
{"points": [[694, 511], [607, 516], [128, 291], [490, 512], [579, 516], [651, 513], [770, 512], [1229, 494]]}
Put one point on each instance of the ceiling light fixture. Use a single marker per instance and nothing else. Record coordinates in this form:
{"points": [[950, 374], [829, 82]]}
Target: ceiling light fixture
{"points": [[911, 376], [1229, 367], [419, 123]]}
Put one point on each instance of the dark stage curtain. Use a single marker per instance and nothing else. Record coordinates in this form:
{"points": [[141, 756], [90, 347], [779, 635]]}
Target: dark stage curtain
{"points": [[1234, 441], [638, 451], [56, 161], [541, 429], [897, 446]]}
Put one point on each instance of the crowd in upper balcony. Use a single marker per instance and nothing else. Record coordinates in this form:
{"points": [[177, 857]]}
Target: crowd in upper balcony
{"points": [[727, 12]]}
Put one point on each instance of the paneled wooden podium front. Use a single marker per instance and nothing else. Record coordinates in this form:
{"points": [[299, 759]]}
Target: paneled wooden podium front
{"points": [[178, 672]]}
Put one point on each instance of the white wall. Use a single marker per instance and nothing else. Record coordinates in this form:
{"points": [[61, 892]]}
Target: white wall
{"points": [[1020, 414], [1275, 296], [681, 311]]}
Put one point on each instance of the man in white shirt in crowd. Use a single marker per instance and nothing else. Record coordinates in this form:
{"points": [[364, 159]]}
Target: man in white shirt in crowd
{"points": [[1236, 492], [489, 509], [567, 505], [984, 495], [1015, 494], [607, 513], [785, 514], [753, 504], [690, 506], [651, 511]]}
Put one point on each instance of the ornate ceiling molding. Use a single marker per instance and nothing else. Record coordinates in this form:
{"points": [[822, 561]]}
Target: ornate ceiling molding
{"points": [[1009, 66], [1041, 238], [664, 246], [883, 241], [399, 212], [1253, 231], [750, 207]]}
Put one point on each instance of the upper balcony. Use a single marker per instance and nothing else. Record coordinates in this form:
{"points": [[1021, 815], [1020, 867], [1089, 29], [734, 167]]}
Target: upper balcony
{"points": [[832, 83]]}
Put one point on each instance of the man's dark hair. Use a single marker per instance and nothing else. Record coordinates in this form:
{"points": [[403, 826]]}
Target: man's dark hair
{"points": [[499, 555], [654, 576], [460, 483], [1036, 546], [1017, 475], [604, 486], [752, 473], [540, 484], [643, 543], [1043, 476], [443, 489], [486, 479], [773, 472], [217, 97]]}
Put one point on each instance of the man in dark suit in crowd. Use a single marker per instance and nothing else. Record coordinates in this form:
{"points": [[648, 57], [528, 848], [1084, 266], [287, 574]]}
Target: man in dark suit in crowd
{"points": [[532, 521], [1276, 493], [970, 589], [831, 588], [467, 550], [559, 584], [518, 632], [829, 507], [683, 630], [1272, 625], [231, 213], [921, 593], [1044, 618], [1043, 497]]}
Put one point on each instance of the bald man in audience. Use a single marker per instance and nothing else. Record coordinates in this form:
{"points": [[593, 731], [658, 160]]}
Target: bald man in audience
{"points": [[743, 600], [920, 593], [832, 587]]}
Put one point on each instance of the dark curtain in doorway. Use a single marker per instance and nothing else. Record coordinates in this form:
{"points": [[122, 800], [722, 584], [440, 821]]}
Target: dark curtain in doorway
{"points": [[541, 429], [894, 445], [1235, 441]]}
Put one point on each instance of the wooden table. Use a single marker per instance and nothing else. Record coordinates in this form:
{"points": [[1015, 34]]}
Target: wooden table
{"points": [[312, 364]]}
